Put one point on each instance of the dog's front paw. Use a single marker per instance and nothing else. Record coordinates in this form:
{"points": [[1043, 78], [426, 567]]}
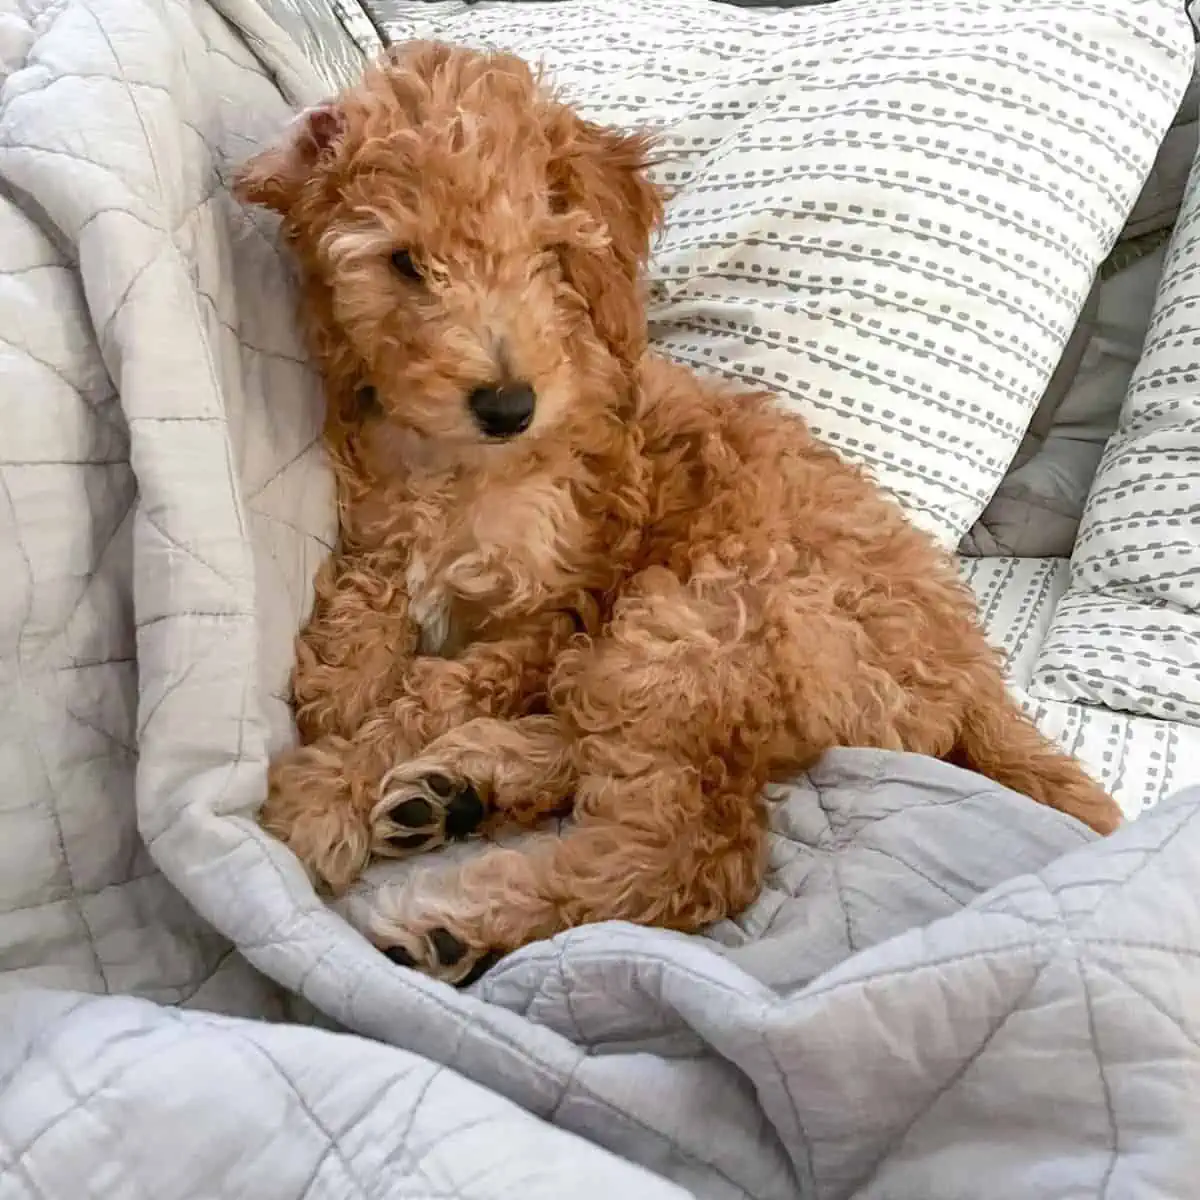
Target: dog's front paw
{"points": [[420, 808]]}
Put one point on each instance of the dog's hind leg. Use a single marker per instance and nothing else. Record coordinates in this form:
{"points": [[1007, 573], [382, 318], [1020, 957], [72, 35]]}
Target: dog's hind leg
{"points": [[661, 850]]}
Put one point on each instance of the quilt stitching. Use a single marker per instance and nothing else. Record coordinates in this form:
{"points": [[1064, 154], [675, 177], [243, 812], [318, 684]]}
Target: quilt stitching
{"points": [[72, 711], [838, 879], [10, 1163], [1124, 981], [79, 1101], [333, 1148], [784, 1083], [913, 869], [1094, 1043], [55, 817], [925, 1108]]}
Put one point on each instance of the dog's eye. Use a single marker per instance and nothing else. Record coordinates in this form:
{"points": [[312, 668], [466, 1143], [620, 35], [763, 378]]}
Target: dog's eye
{"points": [[403, 265]]}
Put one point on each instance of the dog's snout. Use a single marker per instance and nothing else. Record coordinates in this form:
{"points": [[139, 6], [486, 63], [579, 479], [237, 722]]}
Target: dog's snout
{"points": [[502, 410]]}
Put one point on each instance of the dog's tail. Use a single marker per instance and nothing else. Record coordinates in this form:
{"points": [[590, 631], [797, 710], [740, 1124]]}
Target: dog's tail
{"points": [[998, 740]]}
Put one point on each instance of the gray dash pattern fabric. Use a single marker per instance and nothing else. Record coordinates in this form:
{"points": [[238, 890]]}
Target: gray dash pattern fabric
{"points": [[1141, 760], [887, 213], [1127, 633]]}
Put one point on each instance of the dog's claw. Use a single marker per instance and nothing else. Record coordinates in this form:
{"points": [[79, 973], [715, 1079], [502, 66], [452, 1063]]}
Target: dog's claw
{"points": [[480, 969], [420, 810]]}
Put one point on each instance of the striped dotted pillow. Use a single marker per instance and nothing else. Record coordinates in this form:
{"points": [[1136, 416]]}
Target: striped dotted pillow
{"points": [[887, 211], [1126, 634]]}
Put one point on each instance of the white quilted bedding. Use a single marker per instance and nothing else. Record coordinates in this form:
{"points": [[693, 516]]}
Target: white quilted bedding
{"points": [[879, 1024], [143, 322]]}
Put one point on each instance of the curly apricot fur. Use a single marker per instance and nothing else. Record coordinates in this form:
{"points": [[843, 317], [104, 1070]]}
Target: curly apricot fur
{"points": [[661, 596]]}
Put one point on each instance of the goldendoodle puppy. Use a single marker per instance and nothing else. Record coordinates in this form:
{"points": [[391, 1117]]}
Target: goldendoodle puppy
{"points": [[573, 576]]}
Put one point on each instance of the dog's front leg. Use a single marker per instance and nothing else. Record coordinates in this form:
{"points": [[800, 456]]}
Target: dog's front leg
{"points": [[324, 798], [672, 717], [479, 750], [484, 772], [352, 652]]}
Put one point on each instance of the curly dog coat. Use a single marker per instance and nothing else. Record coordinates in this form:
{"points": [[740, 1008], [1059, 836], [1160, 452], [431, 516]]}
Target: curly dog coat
{"points": [[573, 575]]}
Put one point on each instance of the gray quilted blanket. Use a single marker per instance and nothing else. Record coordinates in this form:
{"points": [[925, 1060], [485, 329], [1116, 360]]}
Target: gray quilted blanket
{"points": [[944, 991], [883, 1023]]}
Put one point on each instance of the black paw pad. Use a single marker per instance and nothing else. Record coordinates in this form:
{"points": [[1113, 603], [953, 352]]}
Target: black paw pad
{"points": [[447, 947], [464, 813], [400, 956], [415, 813]]}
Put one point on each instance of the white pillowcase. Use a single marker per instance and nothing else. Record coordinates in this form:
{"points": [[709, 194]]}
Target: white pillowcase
{"points": [[1127, 633], [887, 213], [1036, 511]]}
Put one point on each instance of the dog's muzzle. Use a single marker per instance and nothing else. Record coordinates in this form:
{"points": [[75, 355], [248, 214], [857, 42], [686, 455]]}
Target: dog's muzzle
{"points": [[502, 410]]}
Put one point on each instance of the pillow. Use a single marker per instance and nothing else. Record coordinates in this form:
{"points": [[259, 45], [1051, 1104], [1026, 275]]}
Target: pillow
{"points": [[887, 213], [1035, 513], [1127, 632]]}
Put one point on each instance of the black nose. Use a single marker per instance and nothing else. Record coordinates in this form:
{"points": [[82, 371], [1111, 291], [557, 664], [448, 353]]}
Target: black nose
{"points": [[502, 410]]}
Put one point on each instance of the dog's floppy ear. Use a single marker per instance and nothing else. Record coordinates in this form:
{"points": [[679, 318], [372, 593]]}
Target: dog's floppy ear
{"points": [[603, 172], [274, 177]]}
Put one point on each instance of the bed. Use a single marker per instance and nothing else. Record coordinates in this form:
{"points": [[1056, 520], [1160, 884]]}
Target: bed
{"points": [[925, 226]]}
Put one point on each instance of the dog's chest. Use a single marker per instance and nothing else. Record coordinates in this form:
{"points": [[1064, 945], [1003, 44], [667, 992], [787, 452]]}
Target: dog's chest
{"points": [[429, 605], [506, 556]]}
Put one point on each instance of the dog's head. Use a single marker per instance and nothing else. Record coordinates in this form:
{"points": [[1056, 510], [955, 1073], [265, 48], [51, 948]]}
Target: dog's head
{"points": [[472, 249]]}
